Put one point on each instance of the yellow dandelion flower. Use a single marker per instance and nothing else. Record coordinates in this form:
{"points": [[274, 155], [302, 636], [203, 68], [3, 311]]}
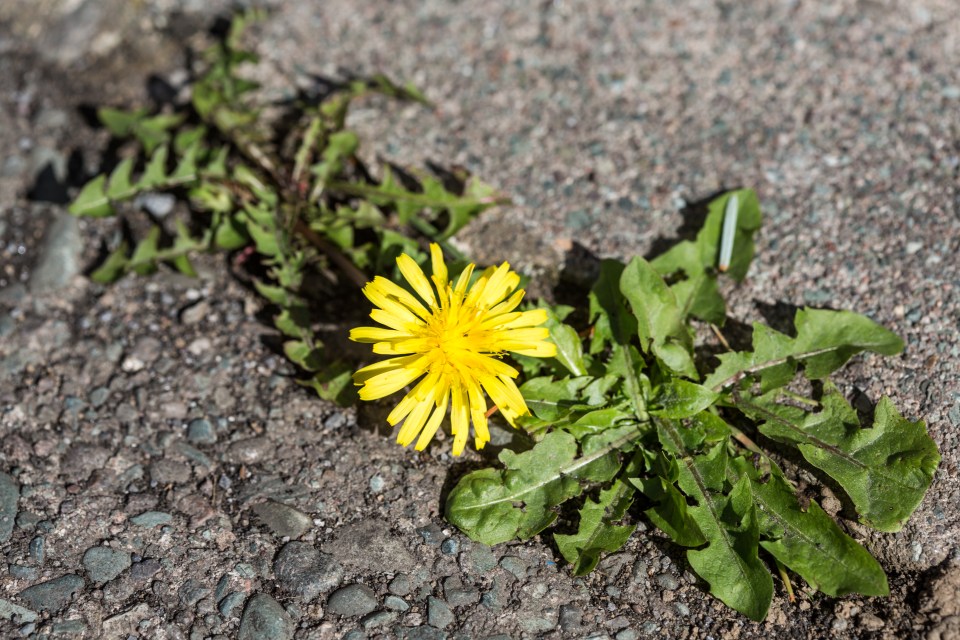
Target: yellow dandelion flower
{"points": [[451, 337]]}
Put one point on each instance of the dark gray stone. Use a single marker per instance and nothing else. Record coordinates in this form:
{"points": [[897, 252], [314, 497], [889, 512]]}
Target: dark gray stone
{"points": [[249, 451], [9, 496], [667, 581], [439, 614], [400, 585], [431, 534], [59, 256], [165, 472], [515, 565], [371, 546], [200, 431], [352, 600], [283, 520], [304, 571], [52, 595], [231, 602], [191, 592], [395, 603], [378, 619], [103, 564], [15, 613], [264, 619], [150, 519]]}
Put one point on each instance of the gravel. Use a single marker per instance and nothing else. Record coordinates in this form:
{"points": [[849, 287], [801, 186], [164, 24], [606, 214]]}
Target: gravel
{"points": [[283, 520], [438, 613], [9, 496], [304, 571], [352, 600], [264, 619], [52, 595]]}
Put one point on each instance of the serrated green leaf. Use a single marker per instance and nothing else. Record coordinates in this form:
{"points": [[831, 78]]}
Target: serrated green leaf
{"points": [[493, 506], [186, 169], [143, 260], [886, 469], [230, 234], [551, 400], [729, 563], [156, 171], [113, 267], [596, 534], [120, 123], [92, 201], [334, 383], [677, 399], [660, 322], [825, 341], [568, 342], [807, 540], [612, 321], [120, 185], [669, 512]]}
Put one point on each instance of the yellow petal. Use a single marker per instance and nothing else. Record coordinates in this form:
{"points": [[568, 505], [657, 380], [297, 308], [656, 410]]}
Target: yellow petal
{"points": [[439, 266], [433, 423], [459, 419], [377, 334], [414, 275]]}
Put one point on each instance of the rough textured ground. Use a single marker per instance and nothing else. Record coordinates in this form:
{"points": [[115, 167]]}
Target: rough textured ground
{"points": [[162, 477]]}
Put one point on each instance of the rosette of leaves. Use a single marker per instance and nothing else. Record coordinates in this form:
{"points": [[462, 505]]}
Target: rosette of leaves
{"points": [[629, 424], [289, 189]]}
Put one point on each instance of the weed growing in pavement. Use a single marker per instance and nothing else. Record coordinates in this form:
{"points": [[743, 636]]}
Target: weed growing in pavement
{"points": [[624, 419]]}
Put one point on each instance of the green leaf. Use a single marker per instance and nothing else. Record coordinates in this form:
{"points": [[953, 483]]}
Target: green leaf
{"points": [[120, 185], [493, 506], [697, 292], [612, 321], [596, 533], [92, 201], [143, 260], [669, 512], [825, 341], [807, 540], [569, 345], [113, 268], [677, 399], [156, 172], [729, 563], [120, 123], [660, 321], [886, 469], [551, 400], [334, 383]]}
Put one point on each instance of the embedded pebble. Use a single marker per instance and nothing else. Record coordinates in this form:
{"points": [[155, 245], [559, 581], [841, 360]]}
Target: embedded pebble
{"points": [[52, 595], [10, 611], [9, 496], [667, 581], [439, 614], [149, 519], [304, 571], [395, 603], [283, 520], [249, 451], [200, 431], [264, 619], [352, 600], [103, 564]]}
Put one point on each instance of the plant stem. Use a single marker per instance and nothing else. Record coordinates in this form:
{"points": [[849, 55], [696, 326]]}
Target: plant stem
{"points": [[342, 261]]}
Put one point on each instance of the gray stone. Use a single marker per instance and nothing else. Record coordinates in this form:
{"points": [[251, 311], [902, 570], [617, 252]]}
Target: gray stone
{"points": [[69, 628], [667, 581], [37, 549], [249, 451], [158, 204], [439, 614], [400, 585], [191, 592], [150, 519], [125, 624], [165, 472], [450, 547], [9, 496], [144, 570], [571, 617], [369, 545], [15, 613], [515, 565], [395, 603], [352, 600], [479, 559], [627, 634], [52, 595], [304, 571], [59, 256], [231, 602], [283, 520], [431, 534], [378, 619], [103, 564], [457, 595], [264, 619], [200, 431]]}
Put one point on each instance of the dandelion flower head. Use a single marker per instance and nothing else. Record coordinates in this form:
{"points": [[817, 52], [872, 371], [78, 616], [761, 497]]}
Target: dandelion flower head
{"points": [[450, 337]]}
